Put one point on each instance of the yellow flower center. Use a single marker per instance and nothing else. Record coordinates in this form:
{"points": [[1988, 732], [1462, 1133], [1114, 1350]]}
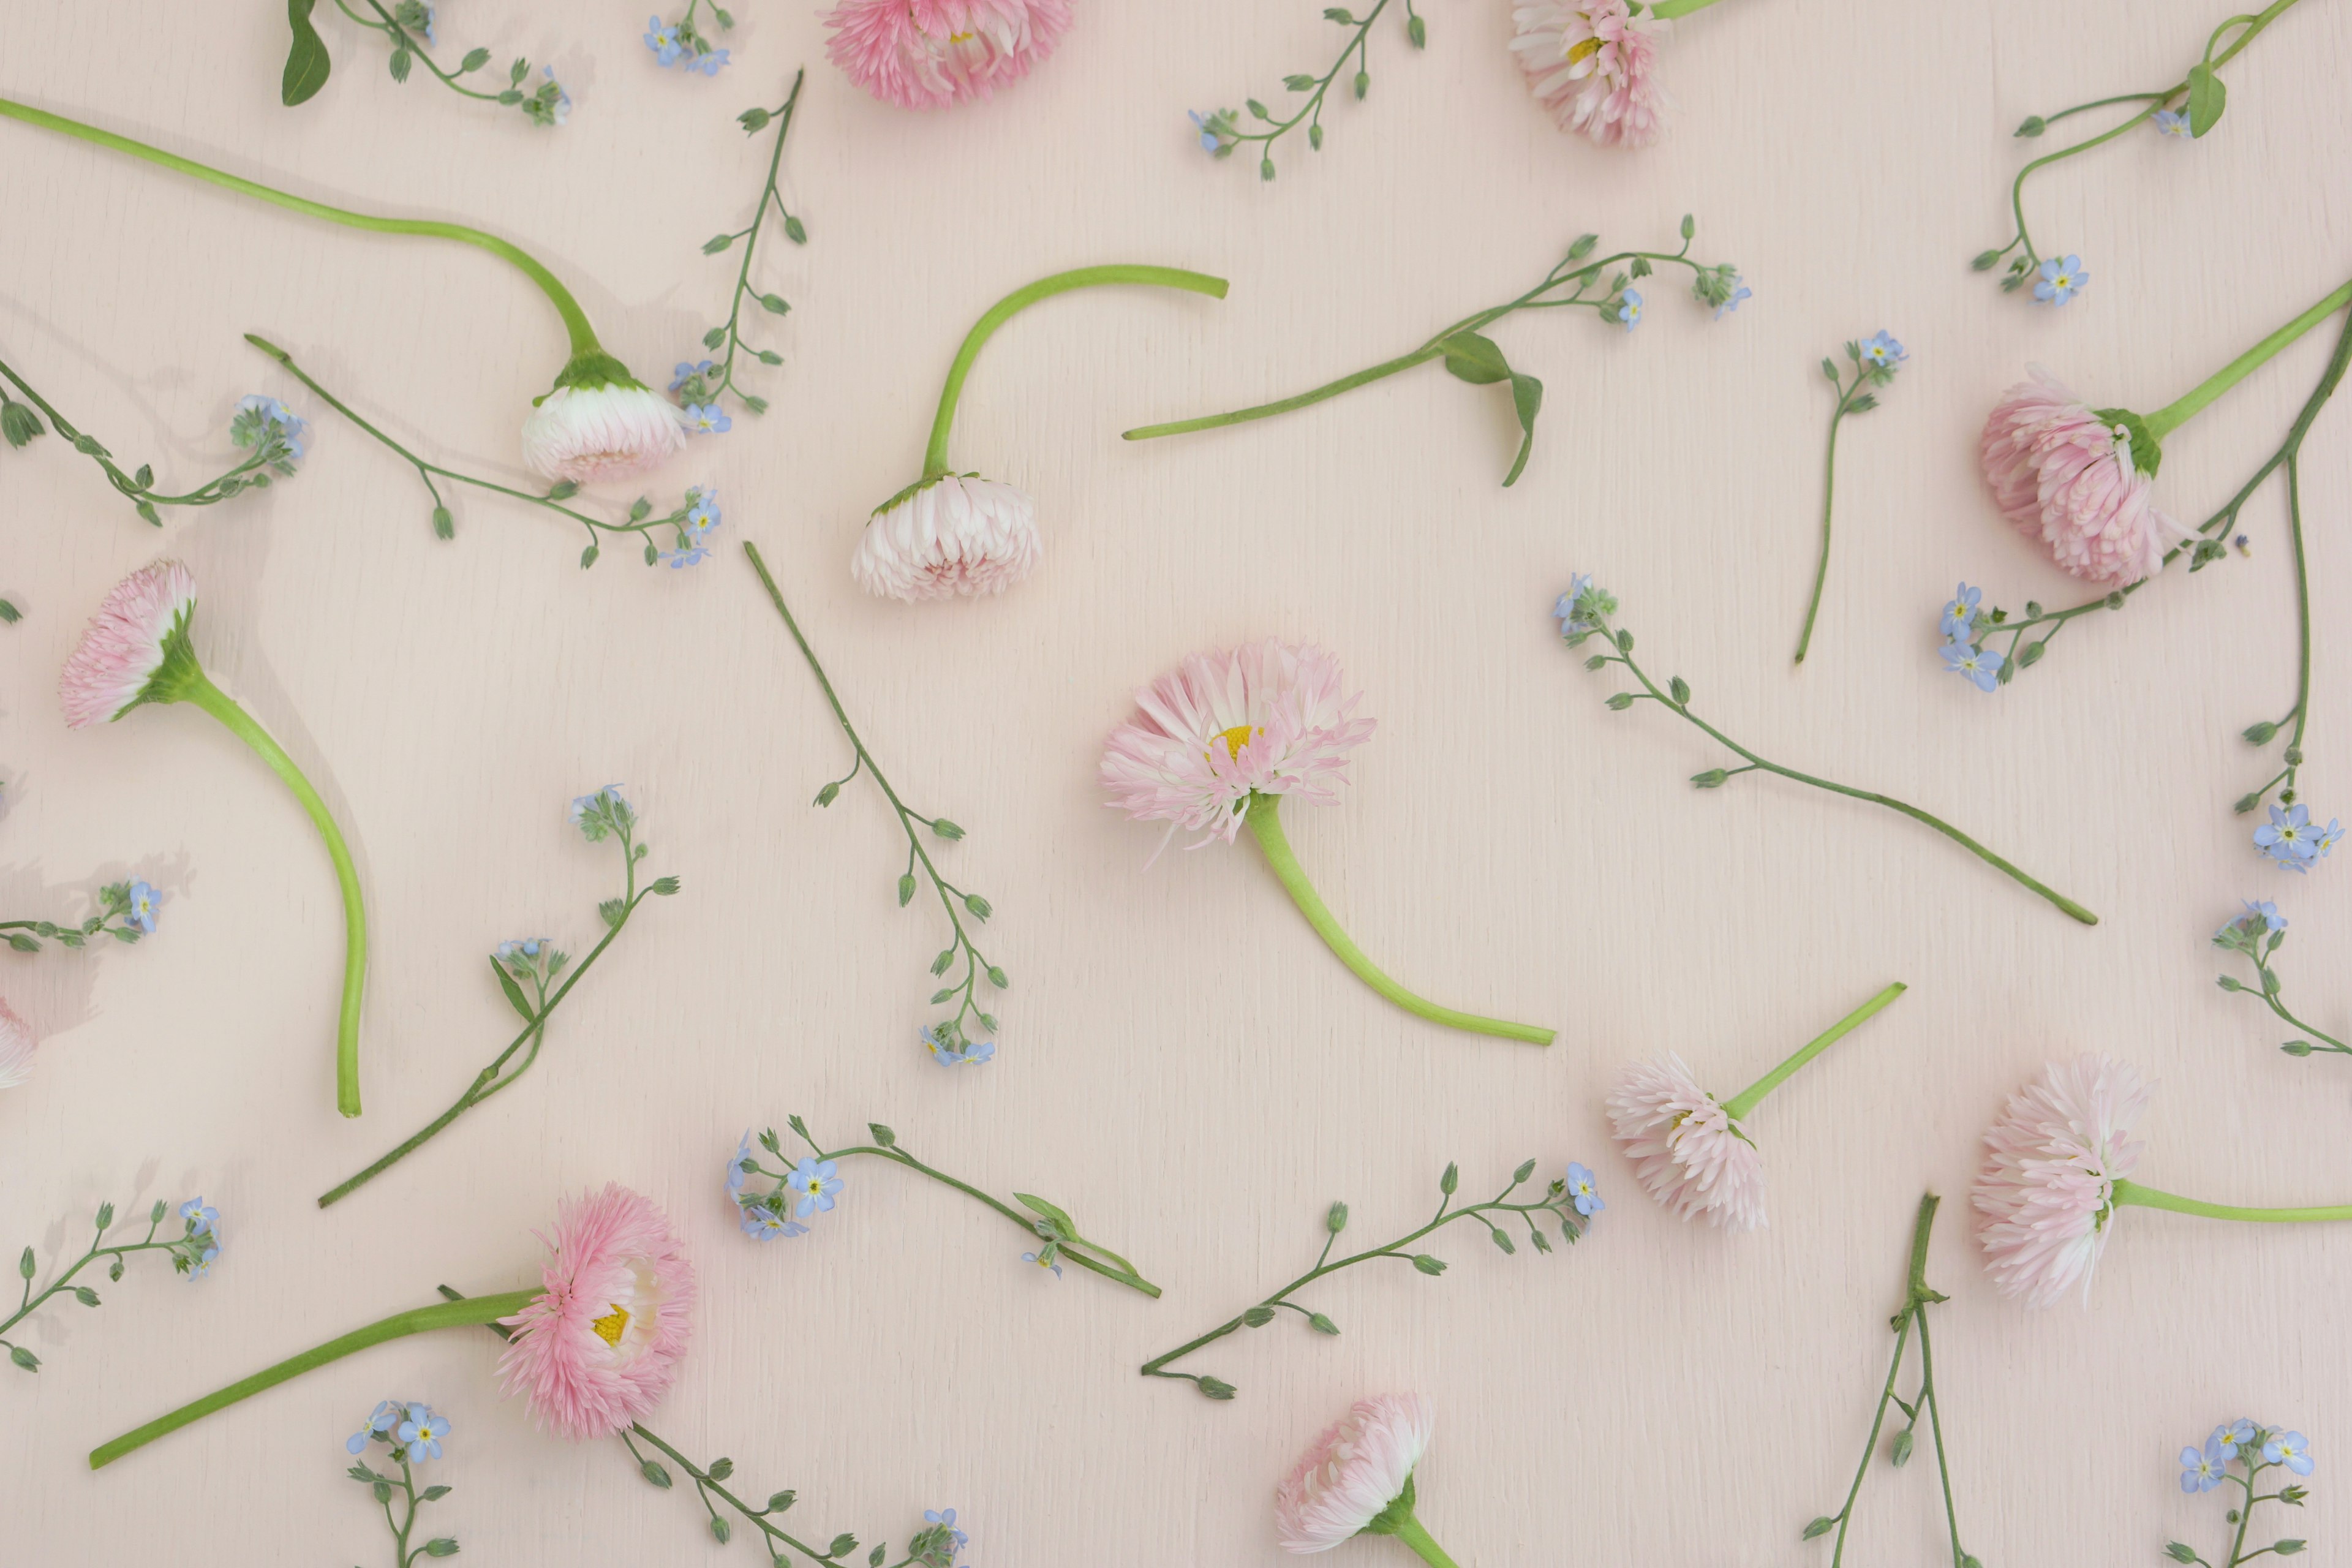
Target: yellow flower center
{"points": [[611, 1327], [1583, 50], [1237, 737]]}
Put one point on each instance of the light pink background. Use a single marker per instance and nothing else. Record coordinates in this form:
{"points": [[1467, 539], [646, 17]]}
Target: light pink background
{"points": [[1183, 1065]]}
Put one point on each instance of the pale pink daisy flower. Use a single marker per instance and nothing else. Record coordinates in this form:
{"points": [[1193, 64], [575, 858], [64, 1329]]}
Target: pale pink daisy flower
{"points": [[956, 535], [1594, 65], [610, 431], [139, 625], [2064, 474], [1266, 719], [1687, 1150], [2046, 1193], [929, 54], [598, 1348], [17, 1047], [1359, 1468]]}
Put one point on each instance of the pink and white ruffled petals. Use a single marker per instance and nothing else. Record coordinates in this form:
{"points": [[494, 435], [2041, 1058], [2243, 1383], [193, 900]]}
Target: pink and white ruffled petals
{"points": [[2044, 1195], [1687, 1150]]}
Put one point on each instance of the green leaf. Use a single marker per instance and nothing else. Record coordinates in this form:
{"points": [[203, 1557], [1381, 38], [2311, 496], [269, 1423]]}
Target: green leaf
{"points": [[433, 1494], [10, 613], [1820, 1527], [1039, 1205], [717, 243], [1476, 359], [515, 997], [2207, 97], [307, 63], [906, 890], [1258, 1317]]}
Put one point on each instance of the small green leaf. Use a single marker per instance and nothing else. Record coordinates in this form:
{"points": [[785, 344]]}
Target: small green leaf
{"points": [[10, 613], [906, 890], [1215, 1387], [307, 63], [433, 1494], [717, 243], [515, 998], [1428, 1264], [1820, 1527], [2207, 97], [1258, 1317], [1039, 1205]]}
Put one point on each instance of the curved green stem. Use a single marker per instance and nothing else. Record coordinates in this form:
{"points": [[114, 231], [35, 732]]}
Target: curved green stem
{"points": [[200, 692], [468, 1312], [935, 457], [2174, 415], [1329, 389], [1829, 496], [1739, 1105], [1266, 824], [575, 320], [1409, 1532], [2133, 1193]]}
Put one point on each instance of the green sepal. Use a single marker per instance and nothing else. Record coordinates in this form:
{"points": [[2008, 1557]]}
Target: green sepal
{"points": [[2147, 453], [591, 368], [1395, 1517]]}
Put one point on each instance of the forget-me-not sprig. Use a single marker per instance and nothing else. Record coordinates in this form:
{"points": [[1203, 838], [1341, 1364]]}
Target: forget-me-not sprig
{"points": [[805, 1187], [270, 435], [702, 386], [1578, 282], [1223, 130], [2239, 1454], [411, 1431], [2258, 934], [1588, 618], [945, 1519], [535, 976], [192, 1254], [409, 29], [683, 44], [1557, 1205], [126, 912], [2061, 278], [949, 1047], [2291, 839], [1874, 360]]}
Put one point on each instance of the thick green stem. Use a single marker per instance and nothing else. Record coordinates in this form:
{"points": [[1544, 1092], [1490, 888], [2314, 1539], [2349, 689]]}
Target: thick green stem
{"points": [[1739, 1105], [2173, 415], [1329, 389], [935, 458], [1266, 824], [1413, 1535], [2133, 1193], [471, 1311], [1667, 10], [221, 706], [575, 320]]}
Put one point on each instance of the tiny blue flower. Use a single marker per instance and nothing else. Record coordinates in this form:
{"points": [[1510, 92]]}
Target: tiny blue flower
{"points": [[2289, 839], [1209, 140], [950, 1049], [701, 510], [2061, 279], [685, 373], [735, 1172], [422, 1432], [203, 1265], [432, 38], [2291, 1449], [1961, 614], [689, 555], [761, 1223], [707, 419], [708, 63], [2270, 917], [2327, 838], [1044, 1263], [1629, 308], [1564, 609], [978, 1052], [381, 1421], [145, 902], [202, 1221], [815, 1184], [2172, 122], [605, 811], [946, 1516], [562, 110], [662, 41], [2200, 1468], [1980, 665], [2228, 1440], [1580, 1188], [1882, 352], [1732, 303]]}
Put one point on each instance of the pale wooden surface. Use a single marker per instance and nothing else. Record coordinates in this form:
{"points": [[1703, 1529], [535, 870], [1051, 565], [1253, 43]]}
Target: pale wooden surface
{"points": [[1183, 1065]]}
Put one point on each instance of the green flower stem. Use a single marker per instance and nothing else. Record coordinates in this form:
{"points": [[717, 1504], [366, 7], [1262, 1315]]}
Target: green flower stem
{"points": [[935, 457], [1829, 496], [575, 320], [2268, 994], [200, 692], [402, 38], [1265, 820], [29, 1303], [2174, 415], [1741, 1105], [1651, 693], [1582, 275], [1667, 10], [749, 235], [472, 1310], [494, 1078], [1409, 1532], [144, 496], [2133, 1193]]}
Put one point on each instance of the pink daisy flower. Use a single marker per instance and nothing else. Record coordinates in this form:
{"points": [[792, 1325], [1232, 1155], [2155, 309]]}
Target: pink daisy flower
{"points": [[591, 432], [139, 625], [929, 54], [957, 535], [1594, 66], [2065, 475], [2046, 1191], [1687, 1150], [17, 1047], [1356, 1473], [598, 1348], [1266, 719]]}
